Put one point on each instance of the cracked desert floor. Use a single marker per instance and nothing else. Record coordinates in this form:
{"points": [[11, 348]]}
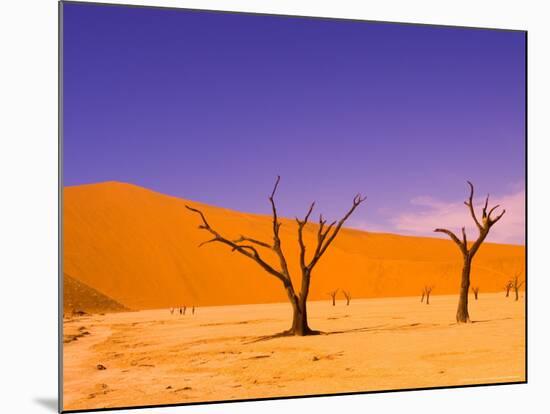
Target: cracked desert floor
{"points": [[226, 352]]}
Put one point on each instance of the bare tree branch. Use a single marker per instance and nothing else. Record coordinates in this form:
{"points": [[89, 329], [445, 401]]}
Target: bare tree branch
{"points": [[276, 226], [453, 238], [493, 209], [208, 241], [484, 211], [470, 204], [245, 250], [301, 225], [326, 239], [497, 218], [251, 240]]}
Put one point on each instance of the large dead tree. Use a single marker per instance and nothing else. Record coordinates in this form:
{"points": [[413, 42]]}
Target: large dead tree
{"points": [[469, 250], [249, 247], [516, 284]]}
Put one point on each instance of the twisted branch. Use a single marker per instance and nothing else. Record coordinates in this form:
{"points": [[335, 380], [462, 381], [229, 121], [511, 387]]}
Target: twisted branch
{"points": [[246, 250], [484, 226], [324, 240], [301, 225]]}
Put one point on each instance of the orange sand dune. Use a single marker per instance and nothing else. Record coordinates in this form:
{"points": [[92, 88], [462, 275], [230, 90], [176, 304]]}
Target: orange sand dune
{"points": [[140, 248]]}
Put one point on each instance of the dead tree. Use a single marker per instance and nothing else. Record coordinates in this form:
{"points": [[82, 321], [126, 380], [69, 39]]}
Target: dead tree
{"points": [[426, 293], [333, 296], [517, 284], [468, 254], [475, 289], [249, 247], [508, 286], [423, 295], [347, 295]]}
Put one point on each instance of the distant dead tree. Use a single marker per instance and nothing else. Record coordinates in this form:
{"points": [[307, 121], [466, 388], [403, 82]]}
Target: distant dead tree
{"points": [[468, 254], [426, 294], [248, 247], [475, 289], [509, 285], [332, 295], [423, 295], [517, 284], [347, 295]]}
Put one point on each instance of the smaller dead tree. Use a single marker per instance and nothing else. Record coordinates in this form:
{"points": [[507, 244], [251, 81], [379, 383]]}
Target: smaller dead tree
{"points": [[347, 295], [333, 296], [426, 293], [508, 287], [469, 250], [517, 284], [475, 289], [423, 295]]}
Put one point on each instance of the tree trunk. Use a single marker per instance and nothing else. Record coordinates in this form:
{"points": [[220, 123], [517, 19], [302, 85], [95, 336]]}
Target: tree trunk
{"points": [[299, 319], [507, 292], [300, 326], [462, 315], [428, 299], [517, 294]]}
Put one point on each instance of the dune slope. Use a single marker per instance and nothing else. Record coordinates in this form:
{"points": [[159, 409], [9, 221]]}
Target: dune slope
{"points": [[140, 248], [81, 297]]}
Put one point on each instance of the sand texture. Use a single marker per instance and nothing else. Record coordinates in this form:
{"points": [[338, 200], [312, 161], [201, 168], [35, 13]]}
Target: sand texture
{"points": [[227, 352]]}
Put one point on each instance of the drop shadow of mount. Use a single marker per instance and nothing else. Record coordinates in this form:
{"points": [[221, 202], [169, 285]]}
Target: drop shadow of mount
{"points": [[49, 403]]}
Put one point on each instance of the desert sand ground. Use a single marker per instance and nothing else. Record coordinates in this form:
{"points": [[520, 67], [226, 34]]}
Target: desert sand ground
{"points": [[222, 353]]}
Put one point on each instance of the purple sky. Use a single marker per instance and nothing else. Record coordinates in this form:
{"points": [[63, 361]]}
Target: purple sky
{"points": [[212, 106]]}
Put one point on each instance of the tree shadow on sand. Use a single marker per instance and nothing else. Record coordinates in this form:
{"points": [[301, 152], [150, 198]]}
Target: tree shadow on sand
{"points": [[283, 334], [375, 328], [491, 320]]}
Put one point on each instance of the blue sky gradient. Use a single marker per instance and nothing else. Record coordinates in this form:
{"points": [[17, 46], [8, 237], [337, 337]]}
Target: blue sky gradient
{"points": [[212, 106]]}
